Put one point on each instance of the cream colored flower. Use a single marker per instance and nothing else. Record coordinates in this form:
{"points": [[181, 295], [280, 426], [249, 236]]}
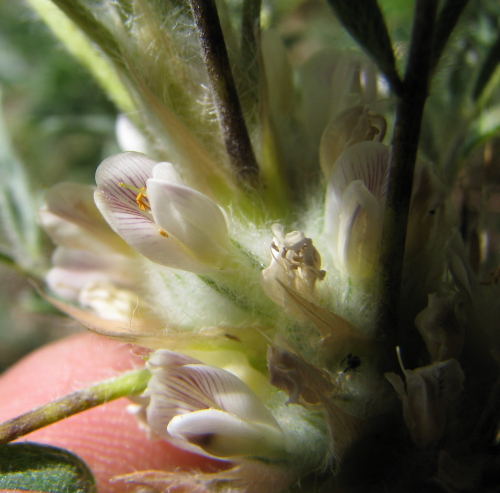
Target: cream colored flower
{"points": [[355, 201], [149, 206], [208, 410]]}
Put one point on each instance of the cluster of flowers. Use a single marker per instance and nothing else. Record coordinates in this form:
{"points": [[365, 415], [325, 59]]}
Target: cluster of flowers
{"points": [[261, 328], [152, 261]]}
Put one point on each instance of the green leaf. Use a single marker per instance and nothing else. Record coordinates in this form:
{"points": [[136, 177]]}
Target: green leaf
{"points": [[31, 466], [365, 22]]}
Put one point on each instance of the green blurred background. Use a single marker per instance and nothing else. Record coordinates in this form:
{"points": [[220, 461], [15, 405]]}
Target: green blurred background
{"points": [[61, 126]]}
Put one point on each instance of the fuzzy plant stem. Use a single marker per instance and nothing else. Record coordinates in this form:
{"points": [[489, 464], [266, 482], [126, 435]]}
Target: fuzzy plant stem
{"points": [[229, 111], [409, 113], [130, 383]]}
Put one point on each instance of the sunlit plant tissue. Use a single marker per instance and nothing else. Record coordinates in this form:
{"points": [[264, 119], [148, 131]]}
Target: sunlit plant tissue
{"points": [[255, 281]]}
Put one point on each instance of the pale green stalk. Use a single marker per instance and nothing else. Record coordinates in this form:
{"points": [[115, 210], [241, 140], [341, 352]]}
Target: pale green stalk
{"points": [[81, 48], [130, 383]]}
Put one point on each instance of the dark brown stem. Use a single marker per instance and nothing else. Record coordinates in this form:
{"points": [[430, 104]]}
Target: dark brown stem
{"points": [[405, 143], [234, 129]]}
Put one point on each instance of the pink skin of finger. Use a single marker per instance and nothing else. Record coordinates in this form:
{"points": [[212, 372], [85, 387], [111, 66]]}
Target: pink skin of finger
{"points": [[107, 437]]}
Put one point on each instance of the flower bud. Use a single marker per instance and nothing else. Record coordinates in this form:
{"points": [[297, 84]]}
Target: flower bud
{"points": [[295, 264]]}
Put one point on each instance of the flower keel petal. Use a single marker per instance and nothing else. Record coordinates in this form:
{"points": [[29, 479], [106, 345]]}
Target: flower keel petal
{"points": [[224, 435]]}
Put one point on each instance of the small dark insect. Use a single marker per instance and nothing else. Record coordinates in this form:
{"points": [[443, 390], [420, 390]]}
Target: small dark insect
{"points": [[353, 362], [233, 338]]}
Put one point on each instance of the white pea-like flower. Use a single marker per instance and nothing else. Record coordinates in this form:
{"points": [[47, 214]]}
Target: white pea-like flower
{"points": [[208, 410], [88, 251], [149, 206], [355, 202]]}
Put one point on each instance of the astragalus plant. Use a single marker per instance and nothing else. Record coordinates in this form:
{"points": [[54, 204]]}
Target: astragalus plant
{"points": [[282, 245]]}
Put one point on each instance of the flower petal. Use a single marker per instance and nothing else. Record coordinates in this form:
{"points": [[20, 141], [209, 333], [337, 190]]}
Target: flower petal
{"points": [[365, 161], [67, 283], [195, 207], [169, 358], [128, 135], [355, 201], [109, 302], [360, 230], [73, 269], [224, 435], [191, 217], [133, 331], [71, 219], [119, 207], [180, 388], [166, 172], [131, 168], [118, 204]]}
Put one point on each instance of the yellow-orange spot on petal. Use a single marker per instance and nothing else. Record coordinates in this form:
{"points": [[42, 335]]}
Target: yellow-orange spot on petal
{"points": [[163, 233], [140, 199]]}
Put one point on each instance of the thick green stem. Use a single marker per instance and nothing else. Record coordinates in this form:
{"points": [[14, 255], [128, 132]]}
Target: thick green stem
{"points": [[405, 143], [234, 129], [130, 383]]}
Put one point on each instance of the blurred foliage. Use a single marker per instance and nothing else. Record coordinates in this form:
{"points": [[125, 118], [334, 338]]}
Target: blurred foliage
{"points": [[61, 125], [60, 121]]}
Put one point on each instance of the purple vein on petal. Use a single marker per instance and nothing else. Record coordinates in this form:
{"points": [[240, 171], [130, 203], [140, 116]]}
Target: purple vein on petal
{"points": [[365, 161], [131, 168]]}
